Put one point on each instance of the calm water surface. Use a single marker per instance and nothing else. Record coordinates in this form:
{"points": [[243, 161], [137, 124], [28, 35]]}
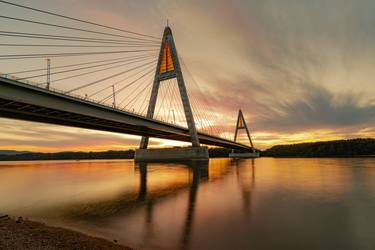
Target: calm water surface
{"points": [[248, 204]]}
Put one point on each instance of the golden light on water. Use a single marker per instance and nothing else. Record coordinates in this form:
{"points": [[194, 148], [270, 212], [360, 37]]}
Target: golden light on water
{"points": [[174, 204]]}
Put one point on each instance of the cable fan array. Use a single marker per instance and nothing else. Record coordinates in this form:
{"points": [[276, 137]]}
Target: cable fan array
{"points": [[108, 65]]}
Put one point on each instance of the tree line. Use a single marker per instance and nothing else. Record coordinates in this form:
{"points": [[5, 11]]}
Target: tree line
{"points": [[337, 148], [129, 154]]}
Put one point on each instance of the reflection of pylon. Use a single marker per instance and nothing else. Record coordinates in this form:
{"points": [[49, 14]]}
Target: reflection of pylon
{"points": [[168, 67], [241, 124], [48, 72]]}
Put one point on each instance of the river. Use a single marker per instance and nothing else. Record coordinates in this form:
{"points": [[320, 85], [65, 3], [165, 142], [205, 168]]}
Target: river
{"points": [[266, 203]]}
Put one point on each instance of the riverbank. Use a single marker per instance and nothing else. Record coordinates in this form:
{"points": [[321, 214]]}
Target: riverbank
{"points": [[25, 234], [12, 155], [35, 156]]}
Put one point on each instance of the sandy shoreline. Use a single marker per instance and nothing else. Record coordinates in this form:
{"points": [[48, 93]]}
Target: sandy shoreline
{"points": [[26, 234]]}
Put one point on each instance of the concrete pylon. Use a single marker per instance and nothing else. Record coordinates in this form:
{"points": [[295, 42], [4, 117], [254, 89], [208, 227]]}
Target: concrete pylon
{"points": [[168, 67], [241, 125]]}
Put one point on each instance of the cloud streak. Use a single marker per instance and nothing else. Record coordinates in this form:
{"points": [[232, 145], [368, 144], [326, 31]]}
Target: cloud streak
{"points": [[300, 70]]}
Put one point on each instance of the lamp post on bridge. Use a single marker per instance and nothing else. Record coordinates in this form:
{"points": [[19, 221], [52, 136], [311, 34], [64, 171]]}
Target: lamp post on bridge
{"points": [[114, 96], [174, 117], [48, 73]]}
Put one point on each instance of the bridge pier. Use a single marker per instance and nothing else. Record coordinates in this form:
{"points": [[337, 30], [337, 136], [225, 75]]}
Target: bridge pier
{"points": [[171, 154]]}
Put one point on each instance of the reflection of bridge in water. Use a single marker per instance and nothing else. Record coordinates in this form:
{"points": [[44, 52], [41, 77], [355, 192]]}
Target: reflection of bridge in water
{"points": [[199, 173], [246, 182], [147, 198]]}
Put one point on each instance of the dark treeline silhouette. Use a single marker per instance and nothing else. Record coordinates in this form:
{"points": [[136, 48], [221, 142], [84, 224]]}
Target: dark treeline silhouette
{"points": [[27, 156], [219, 152], [69, 156], [338, 148]]}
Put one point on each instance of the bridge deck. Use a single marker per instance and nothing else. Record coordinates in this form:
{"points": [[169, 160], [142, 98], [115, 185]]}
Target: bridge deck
{"points": [[23, 101]]}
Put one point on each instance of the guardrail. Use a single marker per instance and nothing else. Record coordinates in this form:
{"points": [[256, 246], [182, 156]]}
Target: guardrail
{"points": [[85, 98], [59, 91]]}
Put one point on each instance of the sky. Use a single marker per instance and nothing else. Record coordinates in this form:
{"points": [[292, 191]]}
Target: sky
{"points": [[300, 70]]}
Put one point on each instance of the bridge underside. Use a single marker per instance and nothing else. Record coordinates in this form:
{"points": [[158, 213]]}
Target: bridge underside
{"points": [[26, 102]]}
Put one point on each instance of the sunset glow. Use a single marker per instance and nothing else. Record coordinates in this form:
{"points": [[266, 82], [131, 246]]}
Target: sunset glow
{"points": [[299, 74]]}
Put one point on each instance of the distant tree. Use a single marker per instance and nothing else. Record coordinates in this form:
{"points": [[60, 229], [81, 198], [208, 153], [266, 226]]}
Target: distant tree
{"points": [[218, 152], [338, 148]]}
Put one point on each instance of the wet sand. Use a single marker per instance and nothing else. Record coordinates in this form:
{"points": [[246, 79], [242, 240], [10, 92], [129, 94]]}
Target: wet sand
{"points": [[25, 234]]}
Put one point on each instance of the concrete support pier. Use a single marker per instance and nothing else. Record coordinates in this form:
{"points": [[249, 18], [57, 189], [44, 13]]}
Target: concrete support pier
{"points": [[244, 155], [172, 154]]}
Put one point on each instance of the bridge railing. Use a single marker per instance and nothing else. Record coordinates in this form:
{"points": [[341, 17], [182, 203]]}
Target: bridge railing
{"points": [[80, 97], [59, 91]]}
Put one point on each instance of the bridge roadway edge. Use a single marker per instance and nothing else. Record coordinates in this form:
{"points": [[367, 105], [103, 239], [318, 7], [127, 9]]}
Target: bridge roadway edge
{"points": [[23, 101]]}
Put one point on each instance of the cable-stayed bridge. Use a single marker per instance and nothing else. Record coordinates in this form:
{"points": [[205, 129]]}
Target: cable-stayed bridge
{"points": [[74, 72]]}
